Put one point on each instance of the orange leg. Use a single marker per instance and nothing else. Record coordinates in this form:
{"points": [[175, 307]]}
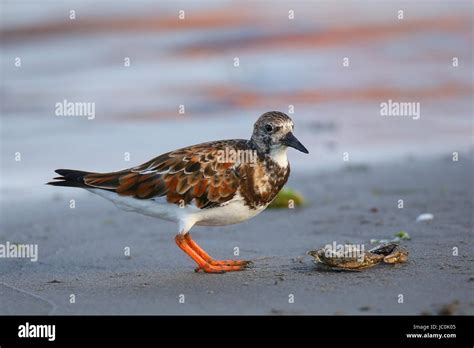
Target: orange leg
{"points": [[203, 263], [201, 252]]}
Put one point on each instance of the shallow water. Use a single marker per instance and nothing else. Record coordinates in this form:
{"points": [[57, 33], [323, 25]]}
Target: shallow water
{"points": [[190, 62]]}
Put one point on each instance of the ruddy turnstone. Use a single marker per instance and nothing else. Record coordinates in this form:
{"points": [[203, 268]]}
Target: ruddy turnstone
{"points": [[211, 184]]}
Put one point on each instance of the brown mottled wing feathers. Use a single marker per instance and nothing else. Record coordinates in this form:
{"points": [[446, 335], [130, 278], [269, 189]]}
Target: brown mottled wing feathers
{"points": [[184, 175]]}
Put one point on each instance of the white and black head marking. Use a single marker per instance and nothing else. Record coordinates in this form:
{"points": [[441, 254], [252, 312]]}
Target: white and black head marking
{"points": [[274, 131]]}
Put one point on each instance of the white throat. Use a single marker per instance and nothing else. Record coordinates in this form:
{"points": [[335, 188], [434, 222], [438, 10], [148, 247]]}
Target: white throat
{"points": [[278, 155]]}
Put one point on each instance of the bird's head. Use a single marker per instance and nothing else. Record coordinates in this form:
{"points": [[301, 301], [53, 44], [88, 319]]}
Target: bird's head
{"points": [[273, 134]]}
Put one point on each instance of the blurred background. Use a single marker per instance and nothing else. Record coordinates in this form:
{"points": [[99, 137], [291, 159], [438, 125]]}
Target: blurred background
{"points": [[139, 61]]}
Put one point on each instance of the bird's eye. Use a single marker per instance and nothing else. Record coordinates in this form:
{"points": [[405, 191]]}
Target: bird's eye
{"points": [[268, 128]]}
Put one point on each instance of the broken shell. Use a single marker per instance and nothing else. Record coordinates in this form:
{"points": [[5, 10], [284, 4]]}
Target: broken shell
{"points": [[355, 259]]}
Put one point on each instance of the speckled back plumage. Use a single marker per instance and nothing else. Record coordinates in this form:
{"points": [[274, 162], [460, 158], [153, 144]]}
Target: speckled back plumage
{"points": [[194, 174]]}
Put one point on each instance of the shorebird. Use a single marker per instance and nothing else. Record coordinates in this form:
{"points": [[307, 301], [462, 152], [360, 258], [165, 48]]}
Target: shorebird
{"points": [[210, 184]]}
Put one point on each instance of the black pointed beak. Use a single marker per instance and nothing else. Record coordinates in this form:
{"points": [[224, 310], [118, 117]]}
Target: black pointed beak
{"points": [[291, 141]]}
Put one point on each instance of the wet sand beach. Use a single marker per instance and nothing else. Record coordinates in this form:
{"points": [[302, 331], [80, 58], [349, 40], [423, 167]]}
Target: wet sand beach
{"points": [[81, 251]]}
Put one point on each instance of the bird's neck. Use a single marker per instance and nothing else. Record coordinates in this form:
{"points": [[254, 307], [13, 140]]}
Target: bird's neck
{"points": [[277, 154]]}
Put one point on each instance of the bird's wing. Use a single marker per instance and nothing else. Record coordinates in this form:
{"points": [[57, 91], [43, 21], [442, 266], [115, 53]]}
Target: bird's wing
{"points": [[192, 173]]}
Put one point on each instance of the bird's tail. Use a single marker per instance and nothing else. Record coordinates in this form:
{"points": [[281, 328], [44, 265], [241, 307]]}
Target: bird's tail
{"points": [[69, 178]]}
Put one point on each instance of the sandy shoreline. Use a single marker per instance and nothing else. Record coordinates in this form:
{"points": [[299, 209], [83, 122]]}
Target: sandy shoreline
{"points": [[81, 251]]}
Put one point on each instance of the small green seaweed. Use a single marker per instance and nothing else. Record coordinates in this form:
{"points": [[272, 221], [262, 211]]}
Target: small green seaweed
{"points": [[398, 237], [287, 198], [403, 235]]}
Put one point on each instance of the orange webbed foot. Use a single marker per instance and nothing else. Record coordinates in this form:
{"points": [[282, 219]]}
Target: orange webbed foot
{"points": [[205, 262], [224, 266]]}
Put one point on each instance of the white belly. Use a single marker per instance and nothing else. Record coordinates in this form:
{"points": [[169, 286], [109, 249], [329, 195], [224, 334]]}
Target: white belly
{"points": [[233, 212]]}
